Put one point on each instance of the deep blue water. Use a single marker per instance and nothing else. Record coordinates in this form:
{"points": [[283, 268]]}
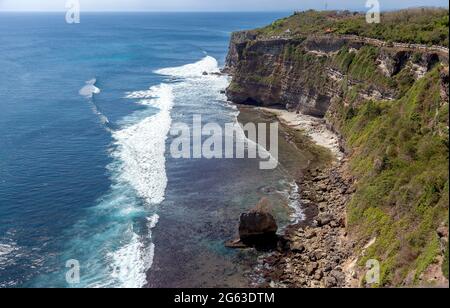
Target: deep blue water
{"points": [[68, 189]]}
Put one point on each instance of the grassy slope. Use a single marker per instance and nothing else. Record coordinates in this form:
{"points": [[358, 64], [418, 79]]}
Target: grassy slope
{"points": [[401, 160], [421, 26]]}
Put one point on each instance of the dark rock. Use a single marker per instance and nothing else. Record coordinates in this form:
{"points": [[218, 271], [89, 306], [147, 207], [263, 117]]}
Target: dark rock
{"points": [[258, 227], [318, 275], [339, 276], [310, 234], [320, 254], [327, 268], [334, 224], [330, 282], [323, 187], [297, 247], [283, 244], [443, 232], [324, 219], [311, 268], [336, 260]]}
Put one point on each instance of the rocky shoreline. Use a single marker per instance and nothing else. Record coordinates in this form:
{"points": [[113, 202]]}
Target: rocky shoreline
{"points": [[313, 253], [317, 248]]}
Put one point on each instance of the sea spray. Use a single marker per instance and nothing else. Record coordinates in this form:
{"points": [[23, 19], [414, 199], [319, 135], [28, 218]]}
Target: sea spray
{"points": [[89, 90], [207, 65]]}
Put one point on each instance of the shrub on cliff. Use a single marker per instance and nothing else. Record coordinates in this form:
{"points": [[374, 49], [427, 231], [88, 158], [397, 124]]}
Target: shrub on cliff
{"points": [[401, 159]]}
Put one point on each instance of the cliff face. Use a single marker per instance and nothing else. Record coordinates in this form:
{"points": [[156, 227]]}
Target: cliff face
{"points": [[389, 102], [307, 74]]}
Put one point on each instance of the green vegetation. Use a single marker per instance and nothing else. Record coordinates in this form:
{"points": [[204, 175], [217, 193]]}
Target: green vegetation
{"points": [[362, 66], [420, 26], [314, 75], [401, 160], [235, 87]]}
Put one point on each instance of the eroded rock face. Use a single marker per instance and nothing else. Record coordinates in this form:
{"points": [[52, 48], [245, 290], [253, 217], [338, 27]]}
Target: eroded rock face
{"points": [[307, 75], [265, 75], [257, 228], [238, 43], [255, 224], [391, 63]]}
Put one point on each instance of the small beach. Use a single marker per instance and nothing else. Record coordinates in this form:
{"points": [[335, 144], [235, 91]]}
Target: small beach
{"points": [[313, 127]]}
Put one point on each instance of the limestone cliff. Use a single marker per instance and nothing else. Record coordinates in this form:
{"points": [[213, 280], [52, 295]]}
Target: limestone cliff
{"points": [[388, 100], [308, 74]]}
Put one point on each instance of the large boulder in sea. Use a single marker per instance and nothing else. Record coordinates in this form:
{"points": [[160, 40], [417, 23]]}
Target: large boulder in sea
{"points": [[258, 227]]}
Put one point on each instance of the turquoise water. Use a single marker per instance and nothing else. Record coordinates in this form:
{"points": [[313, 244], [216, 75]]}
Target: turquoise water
{"points": [[90, 179]]}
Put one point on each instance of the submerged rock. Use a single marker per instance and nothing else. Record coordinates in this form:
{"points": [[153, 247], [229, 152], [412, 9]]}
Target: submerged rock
{"points": [[235, 244]]}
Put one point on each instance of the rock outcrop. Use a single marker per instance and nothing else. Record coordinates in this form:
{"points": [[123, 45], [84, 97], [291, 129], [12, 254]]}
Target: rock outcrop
{"points": [[257, 228], [306, 75]]}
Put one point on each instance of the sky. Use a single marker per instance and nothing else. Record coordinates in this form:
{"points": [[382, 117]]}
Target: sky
{"points": [[209, 5]]}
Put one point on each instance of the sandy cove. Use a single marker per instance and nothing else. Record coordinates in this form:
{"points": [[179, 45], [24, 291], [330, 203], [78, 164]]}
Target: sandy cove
{"points": [[313, 127]]}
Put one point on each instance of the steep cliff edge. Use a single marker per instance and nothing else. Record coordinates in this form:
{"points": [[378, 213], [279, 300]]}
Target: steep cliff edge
{"points": [[389, 102], [308, 74]]}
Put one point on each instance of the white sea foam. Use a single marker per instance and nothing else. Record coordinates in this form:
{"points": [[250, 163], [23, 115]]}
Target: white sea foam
{"points": [[93, 81], [140, 163], [139, 160], [152, 221], [132, 261], [6, 252], [89, 89], [141, 149], [207, 65], [242, 137], [140, 94], [298, 214]]}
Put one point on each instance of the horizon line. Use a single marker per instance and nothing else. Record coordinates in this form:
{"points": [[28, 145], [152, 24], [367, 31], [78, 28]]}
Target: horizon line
{"points": [[216, 11], [148, 11]]}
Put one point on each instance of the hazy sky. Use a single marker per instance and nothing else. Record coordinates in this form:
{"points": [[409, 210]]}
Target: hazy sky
{"points": [[208, 5]]}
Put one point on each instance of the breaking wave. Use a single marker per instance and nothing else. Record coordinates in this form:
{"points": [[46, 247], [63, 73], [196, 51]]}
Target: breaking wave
{"points": [[138, 174], [207, 65], [141, 147], [89, 90]]}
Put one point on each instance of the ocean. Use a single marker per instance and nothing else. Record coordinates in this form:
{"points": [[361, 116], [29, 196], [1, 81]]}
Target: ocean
{"points": [[86, 177]]}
